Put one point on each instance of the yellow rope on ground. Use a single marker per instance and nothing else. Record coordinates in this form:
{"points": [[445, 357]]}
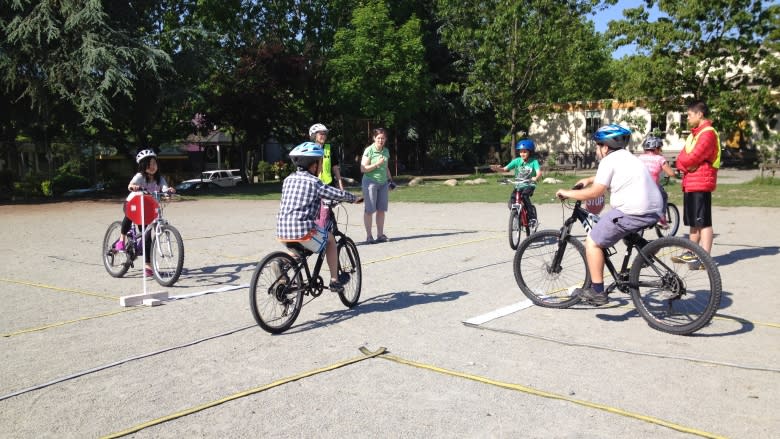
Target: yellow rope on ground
{"points": [[427, 250], [66, 322], [550, 395], [65, 290], [366, 355]]}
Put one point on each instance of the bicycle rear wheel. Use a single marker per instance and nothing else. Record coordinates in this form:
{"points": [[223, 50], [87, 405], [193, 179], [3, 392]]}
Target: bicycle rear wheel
{"points": [[276, 292], [538, 278], [167, 255], [117, 263], [350, 272], [671, 295], [672, 216]]}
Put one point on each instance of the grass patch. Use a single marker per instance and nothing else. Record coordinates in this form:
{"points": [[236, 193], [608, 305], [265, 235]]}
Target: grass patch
{"points": [[761, 192]]}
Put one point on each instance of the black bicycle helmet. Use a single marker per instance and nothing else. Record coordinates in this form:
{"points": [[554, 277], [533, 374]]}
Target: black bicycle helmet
{"points": [[612, 135], [652, 142]]}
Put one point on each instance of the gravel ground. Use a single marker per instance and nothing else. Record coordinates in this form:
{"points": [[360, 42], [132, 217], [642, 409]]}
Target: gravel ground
{"points": [[87, 367]]}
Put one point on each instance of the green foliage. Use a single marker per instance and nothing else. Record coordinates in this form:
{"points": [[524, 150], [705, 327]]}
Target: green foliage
{"points": [[46, 188], [28, 187], [65, 182], [379, 68], [73, 50], [264, 170], [515, 54], [282, 169], [722, 52]]}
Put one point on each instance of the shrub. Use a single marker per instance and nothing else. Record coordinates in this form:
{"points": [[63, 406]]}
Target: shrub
{"points": [[264, 170], [65, 182]]}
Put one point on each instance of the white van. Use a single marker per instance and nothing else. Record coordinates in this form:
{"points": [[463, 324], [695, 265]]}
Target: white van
{"points": [[221, 177]]}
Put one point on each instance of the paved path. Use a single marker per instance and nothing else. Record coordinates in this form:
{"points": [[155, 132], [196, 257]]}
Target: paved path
{"points": [[86, 367]]}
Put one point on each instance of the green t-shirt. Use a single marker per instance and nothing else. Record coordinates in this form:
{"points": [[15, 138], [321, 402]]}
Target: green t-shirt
{"points": [[379, 174], [524, 171]]}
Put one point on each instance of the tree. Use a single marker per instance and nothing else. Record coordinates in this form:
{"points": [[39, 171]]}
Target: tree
{"points": [[722, 52], [515, 54], [378, 69], [73, 50]]}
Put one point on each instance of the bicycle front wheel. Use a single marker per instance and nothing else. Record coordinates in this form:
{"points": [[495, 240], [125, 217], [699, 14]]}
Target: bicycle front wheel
{"points": [[276, 292], [542, 280], [116, 262], [672, 216], [679, 290], [350, 272], [167, 255], [515, 228]]}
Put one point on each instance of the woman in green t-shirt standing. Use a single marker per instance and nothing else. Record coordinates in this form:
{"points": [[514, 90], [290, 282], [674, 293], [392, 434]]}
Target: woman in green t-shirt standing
{"points": [[377, 182]]}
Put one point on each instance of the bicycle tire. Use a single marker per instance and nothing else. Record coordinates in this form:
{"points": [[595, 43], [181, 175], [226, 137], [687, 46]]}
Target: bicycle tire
{"points": [[675, 297], [116, 263], [672, 220], [514, 228], [276, 292], [533, 269], [350, 272], [167, 255]]}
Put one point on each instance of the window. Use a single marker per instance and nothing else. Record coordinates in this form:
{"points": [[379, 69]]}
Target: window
{"points": [[658, 124], [592, 121]]}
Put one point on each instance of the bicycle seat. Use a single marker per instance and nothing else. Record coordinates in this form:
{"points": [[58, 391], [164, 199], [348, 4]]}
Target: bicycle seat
{"points": [[298, 248]]}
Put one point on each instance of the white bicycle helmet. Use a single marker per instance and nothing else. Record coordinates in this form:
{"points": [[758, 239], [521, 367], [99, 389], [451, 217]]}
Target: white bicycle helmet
{"points": [[144, 154], [305, 154], [316, 128]]}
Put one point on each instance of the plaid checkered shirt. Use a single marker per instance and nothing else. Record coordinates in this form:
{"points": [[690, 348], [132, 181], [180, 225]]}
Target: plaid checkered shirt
{"points": [[300, 204]]}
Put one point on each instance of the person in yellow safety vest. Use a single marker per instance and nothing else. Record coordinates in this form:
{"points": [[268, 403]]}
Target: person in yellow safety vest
{"points": [[330, 172], [699, 162]]}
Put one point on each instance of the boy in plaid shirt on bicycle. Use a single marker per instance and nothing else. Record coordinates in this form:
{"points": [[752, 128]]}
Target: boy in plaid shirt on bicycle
{"points": [[302, 192]]}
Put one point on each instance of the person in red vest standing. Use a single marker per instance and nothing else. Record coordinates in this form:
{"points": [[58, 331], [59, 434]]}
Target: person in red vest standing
{"points": [[699, 162]]}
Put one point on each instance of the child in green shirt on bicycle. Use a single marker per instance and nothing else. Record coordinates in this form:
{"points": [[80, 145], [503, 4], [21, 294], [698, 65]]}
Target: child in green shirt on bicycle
{"points": [[527, 173]]}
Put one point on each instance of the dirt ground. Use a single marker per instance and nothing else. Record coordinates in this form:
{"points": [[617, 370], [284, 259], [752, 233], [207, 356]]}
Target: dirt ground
{"points": [[76, 364]]}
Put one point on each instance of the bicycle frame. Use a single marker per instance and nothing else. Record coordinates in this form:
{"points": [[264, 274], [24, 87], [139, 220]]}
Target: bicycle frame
{"points": [[520, 207], [314, 285], [156, 224], [632, 240]]}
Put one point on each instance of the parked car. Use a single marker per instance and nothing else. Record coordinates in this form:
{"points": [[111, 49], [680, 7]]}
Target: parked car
{"points": [[221, 177], [197, 187], [91, 191]]}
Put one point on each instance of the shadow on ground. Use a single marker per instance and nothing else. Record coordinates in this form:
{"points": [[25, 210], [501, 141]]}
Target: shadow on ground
{"points": [[384, 303]]}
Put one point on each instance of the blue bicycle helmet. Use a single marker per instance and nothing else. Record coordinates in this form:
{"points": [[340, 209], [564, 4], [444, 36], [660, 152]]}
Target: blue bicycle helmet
{"points": [[612, 135], [305, 154], [652, 142], [526, 144]]}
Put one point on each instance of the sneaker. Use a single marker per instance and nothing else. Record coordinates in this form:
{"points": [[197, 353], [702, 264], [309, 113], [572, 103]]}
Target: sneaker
{"points": [[588, 295], [663, 224], [344, 278], [684, 258], [696, 266], [336, 286], [119, 246], [148, 272], [533, 225]]}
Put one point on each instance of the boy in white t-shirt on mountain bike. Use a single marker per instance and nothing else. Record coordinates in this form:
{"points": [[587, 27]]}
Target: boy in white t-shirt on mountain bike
{"points": [[635, 199]]}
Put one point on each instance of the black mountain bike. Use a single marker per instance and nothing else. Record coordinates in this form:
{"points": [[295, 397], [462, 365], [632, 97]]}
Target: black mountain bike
{"points": [[281, 280], [671, 295]]}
